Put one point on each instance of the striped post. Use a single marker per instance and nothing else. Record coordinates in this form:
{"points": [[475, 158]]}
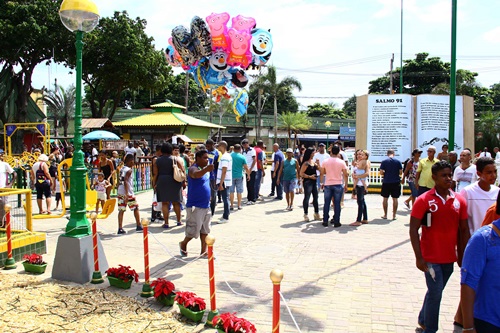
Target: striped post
{"points": [[146, 288], [210, 240], [276, 276], [10, 263], [96, 276]]}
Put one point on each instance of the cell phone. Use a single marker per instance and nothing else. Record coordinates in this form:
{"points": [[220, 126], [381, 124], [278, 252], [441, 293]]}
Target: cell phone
{"points": [[427, 220]]}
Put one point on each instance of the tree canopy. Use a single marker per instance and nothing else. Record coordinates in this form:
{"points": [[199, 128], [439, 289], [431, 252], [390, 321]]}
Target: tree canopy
{"points": [[118, 56], [330, 110], [31, 33]]}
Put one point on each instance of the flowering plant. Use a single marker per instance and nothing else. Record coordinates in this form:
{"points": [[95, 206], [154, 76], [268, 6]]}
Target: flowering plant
{"points": [[229, 323], [34, 259], [162, 287], [124, 273], [190, 301]]}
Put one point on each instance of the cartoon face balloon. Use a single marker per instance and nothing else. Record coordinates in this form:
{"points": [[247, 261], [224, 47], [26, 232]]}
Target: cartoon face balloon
{"points": [[218, 29], [240, 48], [241, 22], [262, 45], [218, 61]]}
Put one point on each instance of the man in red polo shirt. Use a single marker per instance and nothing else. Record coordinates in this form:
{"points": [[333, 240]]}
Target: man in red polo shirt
{"points": [[442, 215]]}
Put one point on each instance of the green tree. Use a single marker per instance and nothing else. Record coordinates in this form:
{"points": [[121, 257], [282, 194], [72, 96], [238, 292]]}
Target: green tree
{"points": [[269, 83], [61, 106], [488, 124], [350, 107], [495, 96], [420, 76], [294, 122], [119, 56], [30, 34]]}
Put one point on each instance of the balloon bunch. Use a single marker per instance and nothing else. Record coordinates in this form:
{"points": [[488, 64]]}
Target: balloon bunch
{"points": [[218, 56]]}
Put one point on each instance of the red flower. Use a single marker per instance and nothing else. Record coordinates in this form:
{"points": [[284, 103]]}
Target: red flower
{"points": [[229, 323], [35, 259], [190, 301], [124, 273], [162, 287]]}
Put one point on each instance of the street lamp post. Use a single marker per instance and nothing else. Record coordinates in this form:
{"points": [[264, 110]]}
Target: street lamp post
{"points": [[80, 16], [74, 253], [328, 124]]}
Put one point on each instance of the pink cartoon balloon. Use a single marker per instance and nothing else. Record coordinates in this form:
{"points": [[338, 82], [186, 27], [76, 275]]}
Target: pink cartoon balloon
{"points": [[218, 29], [241, 22], [239, 47]]}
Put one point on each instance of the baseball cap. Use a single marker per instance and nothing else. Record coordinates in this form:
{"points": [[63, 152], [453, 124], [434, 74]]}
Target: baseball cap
{"points": [[416, 151], [289, 150], [431, 148], [321, 145], [43, 158], [2, 152]]}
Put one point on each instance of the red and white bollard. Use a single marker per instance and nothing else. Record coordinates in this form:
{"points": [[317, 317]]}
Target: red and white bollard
{"points": [[276, 276], [210, 240], [96, 276], [146, 288], [10, 263]]}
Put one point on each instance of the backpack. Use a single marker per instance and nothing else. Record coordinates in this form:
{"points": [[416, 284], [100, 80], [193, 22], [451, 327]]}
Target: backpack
{"points": [[40, 174]]}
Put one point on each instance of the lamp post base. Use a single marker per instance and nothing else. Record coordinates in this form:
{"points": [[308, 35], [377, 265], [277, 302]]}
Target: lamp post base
{"points": [[97, 278], [146, 290], [74, 259]]}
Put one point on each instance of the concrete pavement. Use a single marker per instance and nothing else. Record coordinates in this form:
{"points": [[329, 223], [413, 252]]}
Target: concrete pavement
{"points": [[347, 279]]}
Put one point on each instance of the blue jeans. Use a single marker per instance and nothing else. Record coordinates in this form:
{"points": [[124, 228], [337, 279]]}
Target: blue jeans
{"points": [[429, 315], [225, 200], [335, 192], [279, 188], [258, 179], [360, 194], [413, 189]]}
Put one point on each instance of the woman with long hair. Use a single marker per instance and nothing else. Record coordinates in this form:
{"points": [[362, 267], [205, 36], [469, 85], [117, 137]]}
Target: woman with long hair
{"points": [[168, 190], [107, 167], [360, 179], [308, 174]]}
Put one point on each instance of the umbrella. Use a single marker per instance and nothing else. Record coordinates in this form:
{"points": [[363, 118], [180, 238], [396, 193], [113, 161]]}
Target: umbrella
{"points": [[100, 135]]}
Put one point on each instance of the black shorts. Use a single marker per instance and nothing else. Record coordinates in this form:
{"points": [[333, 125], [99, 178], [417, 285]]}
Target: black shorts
{"points": [[43, 189], [391, 190], [58, 196]]}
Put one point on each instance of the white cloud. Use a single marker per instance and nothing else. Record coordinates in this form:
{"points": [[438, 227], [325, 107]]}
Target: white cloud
{"points": [[492, 36]]}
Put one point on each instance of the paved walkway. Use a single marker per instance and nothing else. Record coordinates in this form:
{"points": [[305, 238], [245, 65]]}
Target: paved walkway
{"points": [[347, 279]]}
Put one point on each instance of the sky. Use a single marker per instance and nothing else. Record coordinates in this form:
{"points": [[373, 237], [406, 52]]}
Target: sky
{"points": [[333, 47]]}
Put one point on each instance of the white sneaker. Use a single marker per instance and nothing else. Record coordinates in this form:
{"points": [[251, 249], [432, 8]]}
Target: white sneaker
{"points": [[306, 218], [223, 220]]}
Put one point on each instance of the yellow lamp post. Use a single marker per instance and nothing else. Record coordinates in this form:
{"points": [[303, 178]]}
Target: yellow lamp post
{"points": [[74, 253], [328, 124], [80, 16]]}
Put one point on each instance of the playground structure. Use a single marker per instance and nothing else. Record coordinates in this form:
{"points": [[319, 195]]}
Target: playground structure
{"points": [[41, 130]]}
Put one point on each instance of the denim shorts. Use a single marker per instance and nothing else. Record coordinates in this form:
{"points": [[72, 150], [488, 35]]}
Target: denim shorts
{"points": [[289, 185], [413, 189], [237, 185]]}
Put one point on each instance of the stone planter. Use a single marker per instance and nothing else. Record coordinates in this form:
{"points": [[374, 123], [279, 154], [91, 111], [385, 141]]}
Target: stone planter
{"points": [[35, 269], [115, 282]]}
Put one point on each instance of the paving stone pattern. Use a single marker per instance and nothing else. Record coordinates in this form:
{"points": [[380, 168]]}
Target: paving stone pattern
{"points": [[347, 279]]}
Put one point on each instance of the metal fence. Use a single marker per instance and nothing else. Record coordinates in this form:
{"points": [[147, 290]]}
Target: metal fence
{"points": [[20, 201]]}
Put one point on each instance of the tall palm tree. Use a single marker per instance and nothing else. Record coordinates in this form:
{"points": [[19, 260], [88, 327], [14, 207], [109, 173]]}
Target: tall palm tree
{"points": [[268, 82], [294, 122], [61, 106]]}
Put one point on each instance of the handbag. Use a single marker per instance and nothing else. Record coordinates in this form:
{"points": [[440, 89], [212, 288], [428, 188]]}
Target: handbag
{"points": [[179, 175]]}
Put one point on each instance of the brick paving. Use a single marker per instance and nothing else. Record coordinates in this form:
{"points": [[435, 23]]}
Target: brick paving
{"points": [[347, 279]]}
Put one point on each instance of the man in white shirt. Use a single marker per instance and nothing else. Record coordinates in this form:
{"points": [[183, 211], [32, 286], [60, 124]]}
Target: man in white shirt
{"points": [[485, 153], [129, 150], [465, 174], [224, 178], [481, 194], [138, 152], [251, 157], [320, 157], [497, 154], [5, 171]]}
